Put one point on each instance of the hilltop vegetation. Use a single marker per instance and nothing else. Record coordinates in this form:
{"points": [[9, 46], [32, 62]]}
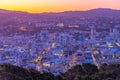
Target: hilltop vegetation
{"points": [[85, 72]]}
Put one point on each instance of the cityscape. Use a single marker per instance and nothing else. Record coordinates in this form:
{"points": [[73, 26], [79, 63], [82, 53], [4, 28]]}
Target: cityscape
{"points": [[57, 46], [48, 43]]}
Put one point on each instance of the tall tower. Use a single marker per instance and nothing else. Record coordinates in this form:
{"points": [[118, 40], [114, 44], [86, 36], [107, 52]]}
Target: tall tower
{"points": [[92, 35], [115, 34]]}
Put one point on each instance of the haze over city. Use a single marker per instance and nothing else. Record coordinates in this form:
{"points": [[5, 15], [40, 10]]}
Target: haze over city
{"points": [[59, 40], [37, 6]]}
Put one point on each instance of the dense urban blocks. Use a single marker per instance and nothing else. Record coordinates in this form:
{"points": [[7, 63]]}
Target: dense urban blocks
{"points": [[55, 42]]}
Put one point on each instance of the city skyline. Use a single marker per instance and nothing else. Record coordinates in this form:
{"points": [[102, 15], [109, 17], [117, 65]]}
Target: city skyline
{"points": [[38, 6]]}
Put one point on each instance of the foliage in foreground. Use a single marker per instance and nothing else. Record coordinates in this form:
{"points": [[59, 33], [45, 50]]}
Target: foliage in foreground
{"points": [[78, 72]]}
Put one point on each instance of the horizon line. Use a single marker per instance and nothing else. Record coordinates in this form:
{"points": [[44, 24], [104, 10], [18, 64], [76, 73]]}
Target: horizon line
{"points": [[54, 11]]}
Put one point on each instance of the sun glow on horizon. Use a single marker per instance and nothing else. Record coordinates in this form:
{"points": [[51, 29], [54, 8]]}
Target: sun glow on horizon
{"points": [[57, 6]]}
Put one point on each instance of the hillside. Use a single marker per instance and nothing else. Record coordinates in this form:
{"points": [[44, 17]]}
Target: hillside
{"points": [[100, 12], [84, 72], [11, 21]]}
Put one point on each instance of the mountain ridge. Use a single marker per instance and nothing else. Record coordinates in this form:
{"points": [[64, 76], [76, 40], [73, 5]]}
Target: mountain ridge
{"points": [[95, 9], [99, 12]]}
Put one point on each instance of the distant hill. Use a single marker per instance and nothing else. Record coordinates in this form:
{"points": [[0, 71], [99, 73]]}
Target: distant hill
{"points": [[99, 12], [104, 12], [10, 21]]}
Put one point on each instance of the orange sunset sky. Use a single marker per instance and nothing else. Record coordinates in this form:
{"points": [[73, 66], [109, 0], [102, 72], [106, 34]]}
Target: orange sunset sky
{"points": [[36, 6]]}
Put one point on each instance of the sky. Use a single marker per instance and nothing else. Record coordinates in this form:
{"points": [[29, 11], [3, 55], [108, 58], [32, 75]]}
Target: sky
{"points": [[37, 6]]}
